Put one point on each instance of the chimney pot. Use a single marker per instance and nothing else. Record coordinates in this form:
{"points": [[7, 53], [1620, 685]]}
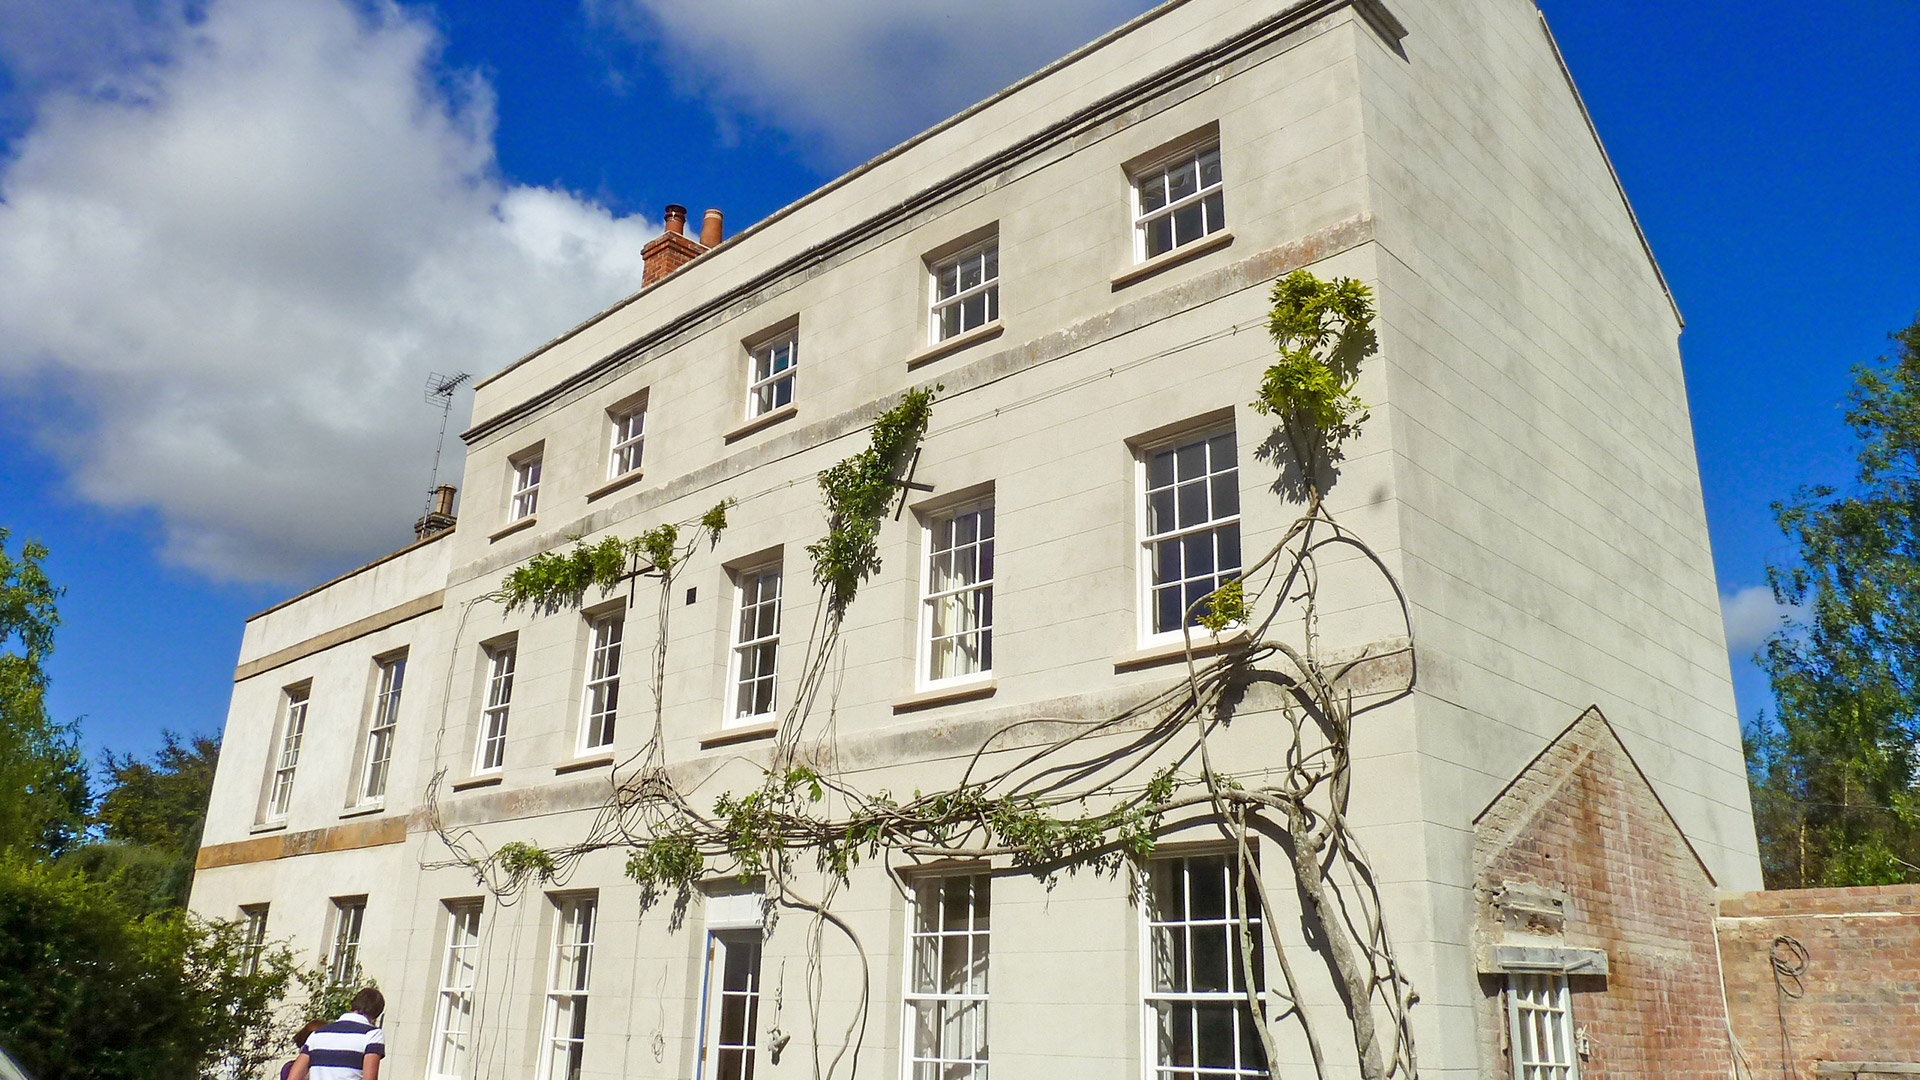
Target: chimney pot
{"points": [[676, 222], [439, 516], [710, 233]]}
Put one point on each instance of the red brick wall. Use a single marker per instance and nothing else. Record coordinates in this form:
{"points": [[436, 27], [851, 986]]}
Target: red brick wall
{"points": [[1860, 992], [1583, 819]]}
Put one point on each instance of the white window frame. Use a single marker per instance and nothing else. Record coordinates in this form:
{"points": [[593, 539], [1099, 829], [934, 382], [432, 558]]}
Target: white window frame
{"points": [[983, 548], [1151, 921], [742, 645], [600, 705], [721, 941], [987, 287], [255, 942], [459, 981], [381, 728], [495, 705], [569, 974], [1145, 550], [525, 500], [1540, 1031], [1157, 172], [970, 1005], [763, 380], [286, 758], [349, 918], [629, 439]]}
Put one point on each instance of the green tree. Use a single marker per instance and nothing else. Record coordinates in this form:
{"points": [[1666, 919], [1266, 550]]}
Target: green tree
{"points": [[89, 990], [42, 773], [1836, 797], [150, 819]]}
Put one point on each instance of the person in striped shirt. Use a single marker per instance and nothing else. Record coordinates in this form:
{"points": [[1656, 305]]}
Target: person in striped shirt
{"points": [[350, 1048]]}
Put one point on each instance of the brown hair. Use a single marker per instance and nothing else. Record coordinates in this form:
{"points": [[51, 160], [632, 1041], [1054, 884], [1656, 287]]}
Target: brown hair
{"points": [[300, 1040], [369, 1003]]}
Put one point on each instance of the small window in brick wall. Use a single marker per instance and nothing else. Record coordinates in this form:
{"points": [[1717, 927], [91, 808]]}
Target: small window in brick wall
{"points": [[1540, 1027]]}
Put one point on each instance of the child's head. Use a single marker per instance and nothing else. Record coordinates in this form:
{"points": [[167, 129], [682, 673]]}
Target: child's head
{"points": [[369, 1003]]}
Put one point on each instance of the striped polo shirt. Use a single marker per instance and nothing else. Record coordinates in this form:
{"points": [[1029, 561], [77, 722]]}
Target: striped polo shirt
{"points": [[339, 1050]]}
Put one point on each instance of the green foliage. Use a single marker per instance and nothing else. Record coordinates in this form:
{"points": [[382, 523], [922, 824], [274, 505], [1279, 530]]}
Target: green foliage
{"points": [[1226, 606], [150, 818], [1322, 331], [145, 880], [89, 990], [1834, 774], [321, 997], [553, 581], [657, 544], [521, 861], [162, 803], [672, 860], [858, 493], [42, 774]]}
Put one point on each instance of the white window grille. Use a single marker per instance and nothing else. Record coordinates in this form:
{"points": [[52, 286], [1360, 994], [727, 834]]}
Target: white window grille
{"points": [[255, 939], [772, 370], [629, 438], [946, 1012], [1178, 202], [1540, 1020], [386, 716], [343, 963], [453, 1022], [526, 488], [1197, 1013], [492, 752], [966, 292], [756, 644], [957, 594], [566, 1025], [603, 682], [732, 1005], [287, 762], [1190, 527]]}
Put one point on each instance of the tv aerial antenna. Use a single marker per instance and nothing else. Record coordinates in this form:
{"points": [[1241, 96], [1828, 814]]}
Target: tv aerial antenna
{"points": [[440, 390]]}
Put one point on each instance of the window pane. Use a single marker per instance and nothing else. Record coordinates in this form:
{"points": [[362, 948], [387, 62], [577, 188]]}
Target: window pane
{"points": [[1210, 168], [1153, 194], [1182, 181], [1189, 224]]}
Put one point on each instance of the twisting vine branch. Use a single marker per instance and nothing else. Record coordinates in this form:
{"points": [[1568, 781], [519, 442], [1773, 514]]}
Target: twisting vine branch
{"points": [[1096, 797]]}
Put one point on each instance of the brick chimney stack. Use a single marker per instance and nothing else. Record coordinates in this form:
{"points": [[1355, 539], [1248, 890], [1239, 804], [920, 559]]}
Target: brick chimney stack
{"points": [[439, 516], [673, 248]]}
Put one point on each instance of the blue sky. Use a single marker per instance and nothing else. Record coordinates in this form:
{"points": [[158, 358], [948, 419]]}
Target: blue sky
{"points": [[236, 237]]}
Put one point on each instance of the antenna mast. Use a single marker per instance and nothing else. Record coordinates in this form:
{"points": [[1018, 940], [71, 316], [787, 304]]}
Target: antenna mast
{"points": [[440, 390]]}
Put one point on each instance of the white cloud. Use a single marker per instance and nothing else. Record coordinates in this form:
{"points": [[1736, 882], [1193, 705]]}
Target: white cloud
{"points": [[1750, 615], [237, 258], [863, 74]]}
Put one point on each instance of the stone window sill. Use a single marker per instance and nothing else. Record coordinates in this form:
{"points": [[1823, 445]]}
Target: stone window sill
{"points": [[478, 782], [524, 523], [746, 733], [1211, 242], [1175, 651], [269, 826], [983, 332], [615, 484], [946, 695], [363, 811], [764, 420], [583, 765]]}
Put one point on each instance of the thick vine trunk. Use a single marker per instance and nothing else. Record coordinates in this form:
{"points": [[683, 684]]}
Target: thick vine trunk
{"points": [[1356, 977]]}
